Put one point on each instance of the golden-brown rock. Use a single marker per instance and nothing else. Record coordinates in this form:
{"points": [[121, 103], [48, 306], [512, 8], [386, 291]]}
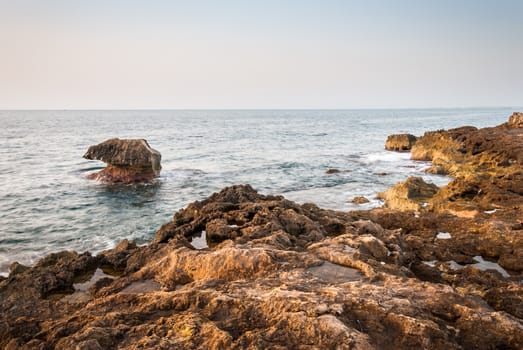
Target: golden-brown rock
{"points": [[516, 120], [360, 200], [412, 194], [400, 142], [287, 276], [128, 161]]}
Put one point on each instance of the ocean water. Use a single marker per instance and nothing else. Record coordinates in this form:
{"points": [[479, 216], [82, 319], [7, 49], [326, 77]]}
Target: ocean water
{"points": [[47, 205]]}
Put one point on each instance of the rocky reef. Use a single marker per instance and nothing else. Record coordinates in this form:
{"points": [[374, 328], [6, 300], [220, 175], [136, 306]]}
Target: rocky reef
{"points": [[245, 270], [128, 161]]}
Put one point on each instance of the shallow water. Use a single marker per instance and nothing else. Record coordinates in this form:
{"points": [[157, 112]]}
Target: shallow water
{"points": [[200, 241], [46, 204], [333, 273], [81, 288], [146, 286], [443, 235], [481, 264]]}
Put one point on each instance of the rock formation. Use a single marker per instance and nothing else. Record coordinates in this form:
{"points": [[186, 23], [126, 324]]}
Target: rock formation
{"points": [[412, 194], [400, 142], [128, 161], [276, 274], [516, 120], [486, 164], [359, 200]]}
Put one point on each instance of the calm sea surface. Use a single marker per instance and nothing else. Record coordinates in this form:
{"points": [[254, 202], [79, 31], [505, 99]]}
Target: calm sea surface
{"points": [[46, 204]]}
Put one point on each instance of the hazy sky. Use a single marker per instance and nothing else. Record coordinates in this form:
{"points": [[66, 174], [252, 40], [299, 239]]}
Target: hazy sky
{"points": [[260, 54]]}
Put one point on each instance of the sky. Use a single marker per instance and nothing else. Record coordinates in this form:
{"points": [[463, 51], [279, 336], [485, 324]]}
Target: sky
{"points": [[129, 54]]}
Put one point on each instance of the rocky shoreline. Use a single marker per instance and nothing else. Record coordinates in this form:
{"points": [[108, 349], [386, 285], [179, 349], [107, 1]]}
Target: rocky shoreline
{"points": [[435, 268]]}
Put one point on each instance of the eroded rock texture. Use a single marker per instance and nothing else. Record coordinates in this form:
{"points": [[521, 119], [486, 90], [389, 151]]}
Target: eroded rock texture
{"points": [[128, 161], [275, 274], [400, 142], [516, 120], [411, 194], [486, 164]]}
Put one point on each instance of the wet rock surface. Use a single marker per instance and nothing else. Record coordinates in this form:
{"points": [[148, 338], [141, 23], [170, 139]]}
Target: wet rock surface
{"points": [[128, 161], [360, 200], [276, 274]]}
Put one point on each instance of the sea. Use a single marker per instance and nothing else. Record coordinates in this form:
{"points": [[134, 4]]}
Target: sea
{"points": [[48, 205]]}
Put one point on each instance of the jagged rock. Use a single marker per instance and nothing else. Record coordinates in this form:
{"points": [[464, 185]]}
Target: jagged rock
{"points": [[412, 194], [290, 276], [400, 142], [516, 120], [128, 161], [486, 165]]}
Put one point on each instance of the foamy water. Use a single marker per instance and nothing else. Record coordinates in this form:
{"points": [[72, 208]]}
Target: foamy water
{"points": [[46, 204]]}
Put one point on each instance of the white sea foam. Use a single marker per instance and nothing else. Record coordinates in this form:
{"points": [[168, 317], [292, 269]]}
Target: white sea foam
{"points": [[387, 157], [4, 265]]}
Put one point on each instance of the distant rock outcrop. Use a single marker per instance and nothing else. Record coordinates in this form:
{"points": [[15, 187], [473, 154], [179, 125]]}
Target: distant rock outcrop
{"points": [[400, 142], [128, 161]]}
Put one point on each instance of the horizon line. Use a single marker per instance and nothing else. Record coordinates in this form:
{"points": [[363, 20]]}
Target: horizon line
{"points": [[256, 109]]}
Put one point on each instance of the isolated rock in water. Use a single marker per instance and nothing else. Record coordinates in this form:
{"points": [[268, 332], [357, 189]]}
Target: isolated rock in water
{"points": [[128, 160], [360, 200], [411, 194], [400, 142], [516, 120], [336, 171]]}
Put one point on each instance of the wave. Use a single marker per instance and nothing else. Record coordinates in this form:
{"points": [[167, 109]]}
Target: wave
{"points": [[386, 156]]}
